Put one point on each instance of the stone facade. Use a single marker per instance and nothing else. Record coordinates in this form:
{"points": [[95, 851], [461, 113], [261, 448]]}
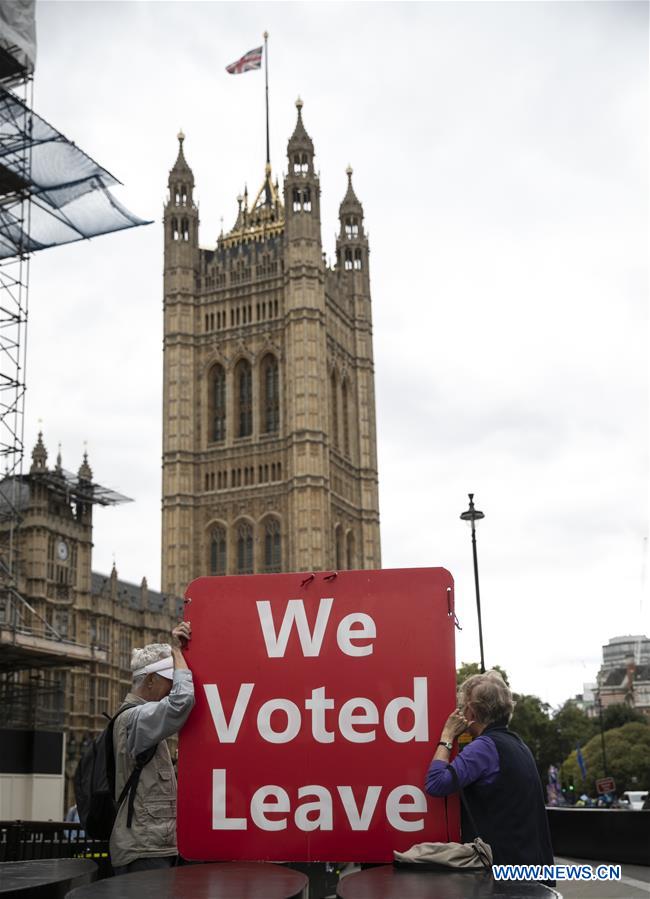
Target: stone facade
{"points": [[269, 437]]}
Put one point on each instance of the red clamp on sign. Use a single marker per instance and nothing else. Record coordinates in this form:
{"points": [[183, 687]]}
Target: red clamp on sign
{"points": [[318, 707]]}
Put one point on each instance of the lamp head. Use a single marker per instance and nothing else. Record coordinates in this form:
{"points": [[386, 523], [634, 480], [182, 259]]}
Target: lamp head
{"points": [[472, 514]]}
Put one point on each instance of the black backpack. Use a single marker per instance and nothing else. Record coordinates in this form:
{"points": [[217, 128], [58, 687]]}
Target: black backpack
{"points": [[94, 783]]}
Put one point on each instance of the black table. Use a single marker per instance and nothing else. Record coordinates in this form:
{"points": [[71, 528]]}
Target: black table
{"points": [[387, 882], [44, 878], [225, 880]]}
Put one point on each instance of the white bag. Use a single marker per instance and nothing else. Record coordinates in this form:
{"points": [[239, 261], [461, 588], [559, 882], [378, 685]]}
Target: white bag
{"points": [[474, 856]]}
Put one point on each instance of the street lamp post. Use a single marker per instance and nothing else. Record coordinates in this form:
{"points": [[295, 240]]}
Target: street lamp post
{"points": [[473, 515], [602, 735]]}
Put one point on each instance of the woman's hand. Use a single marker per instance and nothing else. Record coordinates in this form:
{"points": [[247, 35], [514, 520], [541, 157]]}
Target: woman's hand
{"points": [[454, 726]]}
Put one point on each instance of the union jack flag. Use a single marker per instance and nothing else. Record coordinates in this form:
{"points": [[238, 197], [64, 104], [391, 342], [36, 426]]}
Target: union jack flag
{"points": [[250, 60]]}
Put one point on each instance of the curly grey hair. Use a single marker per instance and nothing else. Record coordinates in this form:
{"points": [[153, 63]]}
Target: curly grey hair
{"points": [[145, 656], [489, 698]]}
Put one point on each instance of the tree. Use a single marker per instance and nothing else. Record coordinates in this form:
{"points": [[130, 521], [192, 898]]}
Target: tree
{"points": [[619, 714], [468, 669], [570, 727], [550, 738], [531, 721], [628, 759]]}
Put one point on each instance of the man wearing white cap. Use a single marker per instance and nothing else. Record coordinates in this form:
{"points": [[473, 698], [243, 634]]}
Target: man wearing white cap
{"points": [[162, 695]]}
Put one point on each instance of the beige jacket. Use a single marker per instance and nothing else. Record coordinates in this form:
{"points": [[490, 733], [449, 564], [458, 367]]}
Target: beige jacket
{"points": [[153, 829]]}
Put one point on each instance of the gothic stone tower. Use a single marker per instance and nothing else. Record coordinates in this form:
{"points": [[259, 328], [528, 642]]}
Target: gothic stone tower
{"points": [[269, 443]]}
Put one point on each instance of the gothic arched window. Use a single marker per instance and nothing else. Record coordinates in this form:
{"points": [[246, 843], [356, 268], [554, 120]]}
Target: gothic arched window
{"points": [[174, 229], [335, 410], [218, 404], [218, 551], [345, 416], [357, 259], [244, 548], [304, 164], [301, 200], [270, 395], [185, 229], [272, 545], [349, 550], [338, 547], [296, 163], [348, 260], [244, 393], [351, 227]]}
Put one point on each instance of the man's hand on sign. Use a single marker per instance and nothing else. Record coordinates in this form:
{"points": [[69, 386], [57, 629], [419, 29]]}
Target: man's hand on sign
{"points": [[182, 631], [181, 634]]}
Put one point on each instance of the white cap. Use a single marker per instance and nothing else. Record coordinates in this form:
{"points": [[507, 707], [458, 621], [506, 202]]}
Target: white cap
{"points": [[163, 667]]}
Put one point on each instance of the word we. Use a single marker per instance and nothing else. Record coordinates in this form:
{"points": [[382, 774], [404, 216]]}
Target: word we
{"points": [[346, 633]]}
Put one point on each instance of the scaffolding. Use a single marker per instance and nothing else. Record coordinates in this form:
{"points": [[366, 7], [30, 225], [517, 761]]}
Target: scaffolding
{"points": [[51, 193], [35, 703], [14, 281]]}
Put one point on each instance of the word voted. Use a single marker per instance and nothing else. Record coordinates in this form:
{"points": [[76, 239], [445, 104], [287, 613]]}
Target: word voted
{"points": [[355, 715]]}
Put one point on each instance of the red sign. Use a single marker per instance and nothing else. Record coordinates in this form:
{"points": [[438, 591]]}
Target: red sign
{"points": [[319, 703], [605, 785]]}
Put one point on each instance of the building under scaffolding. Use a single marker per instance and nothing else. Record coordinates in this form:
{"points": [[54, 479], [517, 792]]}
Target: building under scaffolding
{"points": [[51, 193], [27, 638], [65, 633]]}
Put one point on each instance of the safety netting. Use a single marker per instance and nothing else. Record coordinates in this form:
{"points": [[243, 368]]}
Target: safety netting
{"points": [[17, 39], [69, 191]]}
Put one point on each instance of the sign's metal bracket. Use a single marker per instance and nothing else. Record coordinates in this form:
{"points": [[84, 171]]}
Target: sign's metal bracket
{"points": [[451, 612]]}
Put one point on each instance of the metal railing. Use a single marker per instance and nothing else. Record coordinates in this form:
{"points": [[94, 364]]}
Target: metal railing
{"points": [[28, 840]]}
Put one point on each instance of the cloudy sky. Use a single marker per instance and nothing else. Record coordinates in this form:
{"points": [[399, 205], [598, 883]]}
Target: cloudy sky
{"points": [[500, 152]]}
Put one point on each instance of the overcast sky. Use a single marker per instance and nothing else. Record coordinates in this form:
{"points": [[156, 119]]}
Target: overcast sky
{"points": [[500, 152]]}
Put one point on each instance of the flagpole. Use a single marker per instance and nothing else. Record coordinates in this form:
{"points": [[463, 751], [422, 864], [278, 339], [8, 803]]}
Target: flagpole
{"points": [[266, 78]]}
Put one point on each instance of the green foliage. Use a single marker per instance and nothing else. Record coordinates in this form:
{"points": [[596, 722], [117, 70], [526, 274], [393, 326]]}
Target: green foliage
{"points": [[618, 715], [627, 750], [531, 721], [569, 726], [467, 669]]}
